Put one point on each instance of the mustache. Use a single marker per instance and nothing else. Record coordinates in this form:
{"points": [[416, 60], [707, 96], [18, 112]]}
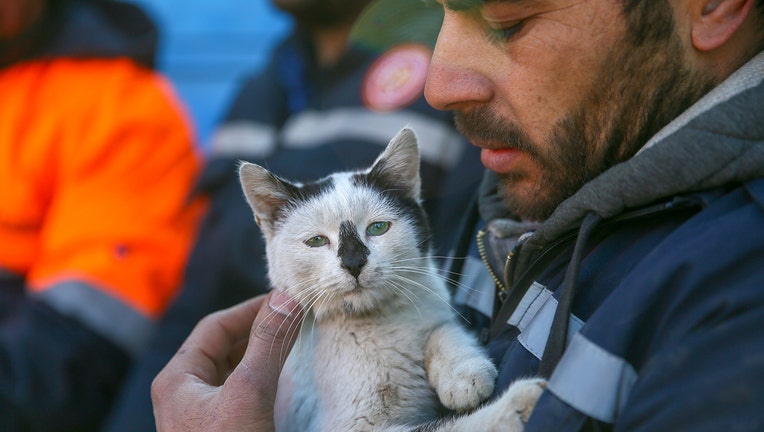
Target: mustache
{"points": [[483, 125]]}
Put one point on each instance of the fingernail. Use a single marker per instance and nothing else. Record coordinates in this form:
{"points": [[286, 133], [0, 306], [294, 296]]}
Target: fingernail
{"points": [[282, 303]]}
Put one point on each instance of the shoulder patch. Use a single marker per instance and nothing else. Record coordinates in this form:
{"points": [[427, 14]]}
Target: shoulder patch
{"points": [[396, 79]]}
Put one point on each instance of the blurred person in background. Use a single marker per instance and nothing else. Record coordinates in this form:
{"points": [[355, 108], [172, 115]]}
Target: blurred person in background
{"points": [[320, 105], [97, 160]]}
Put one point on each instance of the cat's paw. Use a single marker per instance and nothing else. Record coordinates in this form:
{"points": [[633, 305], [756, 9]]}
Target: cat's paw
{"points": [[508, 413], [470, 383], [522, 395]]}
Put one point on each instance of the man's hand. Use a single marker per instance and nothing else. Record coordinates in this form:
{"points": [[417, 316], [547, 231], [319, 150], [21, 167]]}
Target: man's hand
{"points": [[217, 381]]}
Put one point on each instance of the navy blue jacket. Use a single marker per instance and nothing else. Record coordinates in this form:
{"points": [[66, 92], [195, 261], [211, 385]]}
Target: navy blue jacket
{"points": [[642, 297]]}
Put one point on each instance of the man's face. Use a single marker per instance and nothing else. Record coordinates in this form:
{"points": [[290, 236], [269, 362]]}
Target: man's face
{"points": [[554, 91]]}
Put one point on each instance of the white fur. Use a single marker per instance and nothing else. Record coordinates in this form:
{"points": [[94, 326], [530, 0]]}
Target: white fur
{"points": [[375, 352]]}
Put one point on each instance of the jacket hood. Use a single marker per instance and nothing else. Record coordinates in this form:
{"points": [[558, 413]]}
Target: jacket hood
{"points": [[86, 29], [717, 141]]}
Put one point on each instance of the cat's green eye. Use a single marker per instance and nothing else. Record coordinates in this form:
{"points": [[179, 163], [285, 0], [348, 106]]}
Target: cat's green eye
{"points": [[317, 241], [377, 228]]}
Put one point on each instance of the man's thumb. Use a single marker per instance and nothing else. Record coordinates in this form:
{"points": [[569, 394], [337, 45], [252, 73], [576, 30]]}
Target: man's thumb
{"points": [[273, 334], [279, 323]]}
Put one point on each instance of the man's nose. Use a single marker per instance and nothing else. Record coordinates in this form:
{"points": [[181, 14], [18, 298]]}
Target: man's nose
{"points": [[456, 78]]}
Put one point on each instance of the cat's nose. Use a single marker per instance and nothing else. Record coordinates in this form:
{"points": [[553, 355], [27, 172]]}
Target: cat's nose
{"points": [[352, 251], [354, 264]]}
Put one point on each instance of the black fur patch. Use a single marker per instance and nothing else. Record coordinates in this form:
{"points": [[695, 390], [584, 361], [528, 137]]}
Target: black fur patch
{"points": [[313, 189], [353, 252], [400, 199], [306, 192]]}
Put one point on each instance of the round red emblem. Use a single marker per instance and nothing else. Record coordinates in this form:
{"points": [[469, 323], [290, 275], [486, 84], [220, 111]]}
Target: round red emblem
{"points": [[396, 79]]}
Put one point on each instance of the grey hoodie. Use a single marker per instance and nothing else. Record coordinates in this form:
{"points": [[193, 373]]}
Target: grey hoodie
{"points": [[717, 141]]}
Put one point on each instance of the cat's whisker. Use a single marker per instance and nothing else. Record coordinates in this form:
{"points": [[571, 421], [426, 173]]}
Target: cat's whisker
{"points": [[308, 302], [409, 281], [294, 327], [272, 315], [416, 271], [446, 300], [460, 285], [448, 257], [443, 275], [289, 333], [403, 289]]}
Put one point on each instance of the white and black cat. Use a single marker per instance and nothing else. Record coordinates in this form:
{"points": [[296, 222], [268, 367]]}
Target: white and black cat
{"points": [[380, 348]]}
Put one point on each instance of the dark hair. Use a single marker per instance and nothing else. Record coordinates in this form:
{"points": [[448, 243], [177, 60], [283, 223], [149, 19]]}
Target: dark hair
{"points": [[652, 20], [648, 21]]}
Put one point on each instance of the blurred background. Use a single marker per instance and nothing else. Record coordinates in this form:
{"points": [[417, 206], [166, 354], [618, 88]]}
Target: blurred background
{"points": [[208, 46]]}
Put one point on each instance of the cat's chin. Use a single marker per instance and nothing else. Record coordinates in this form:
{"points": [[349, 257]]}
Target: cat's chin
{"points": [[358, 301], [355, 303]]}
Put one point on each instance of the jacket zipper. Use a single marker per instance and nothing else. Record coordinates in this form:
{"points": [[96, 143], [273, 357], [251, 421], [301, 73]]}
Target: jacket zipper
{"points": [[543, 258], [503, 289]]}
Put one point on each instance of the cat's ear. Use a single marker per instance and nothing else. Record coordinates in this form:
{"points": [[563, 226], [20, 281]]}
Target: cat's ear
{"points": [[398, 165], [265, 192]]}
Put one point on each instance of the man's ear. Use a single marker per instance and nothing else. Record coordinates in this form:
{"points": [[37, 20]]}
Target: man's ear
{"points": [[716, 21]]}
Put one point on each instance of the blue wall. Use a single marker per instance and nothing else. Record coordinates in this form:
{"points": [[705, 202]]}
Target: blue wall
{"points": [[208, 46]]}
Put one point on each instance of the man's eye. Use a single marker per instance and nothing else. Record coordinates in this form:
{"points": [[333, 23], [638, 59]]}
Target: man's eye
{"points": [[317, 241], [505, 34], [377, 228]]}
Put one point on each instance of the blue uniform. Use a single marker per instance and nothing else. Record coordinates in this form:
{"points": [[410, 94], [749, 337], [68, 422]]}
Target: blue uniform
{"points": [[642, 296]]}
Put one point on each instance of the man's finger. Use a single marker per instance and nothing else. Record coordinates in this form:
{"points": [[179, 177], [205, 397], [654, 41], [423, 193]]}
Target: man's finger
{"points": [[273, 334], [203, 361], [206, 352]]}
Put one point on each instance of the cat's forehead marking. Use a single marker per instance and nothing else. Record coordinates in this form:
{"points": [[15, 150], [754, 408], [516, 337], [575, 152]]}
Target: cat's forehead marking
{"points": [[344, 182], [364, 179], [314, 189], [328, 199]]}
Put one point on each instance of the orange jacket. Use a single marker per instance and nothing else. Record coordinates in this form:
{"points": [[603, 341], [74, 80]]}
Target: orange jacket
{"points": [[97, 160]]}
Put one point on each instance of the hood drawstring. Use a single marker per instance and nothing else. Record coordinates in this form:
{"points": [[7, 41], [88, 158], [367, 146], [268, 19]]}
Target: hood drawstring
{"points": [[558, 333]]}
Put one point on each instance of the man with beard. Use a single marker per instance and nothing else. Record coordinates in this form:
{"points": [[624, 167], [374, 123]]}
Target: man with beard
{"points": [[622, 220], [632, 134], [320, 105]]}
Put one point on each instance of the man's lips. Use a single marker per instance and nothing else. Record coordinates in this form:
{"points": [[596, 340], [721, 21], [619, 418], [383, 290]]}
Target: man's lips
{"points": [[500, 161]]}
